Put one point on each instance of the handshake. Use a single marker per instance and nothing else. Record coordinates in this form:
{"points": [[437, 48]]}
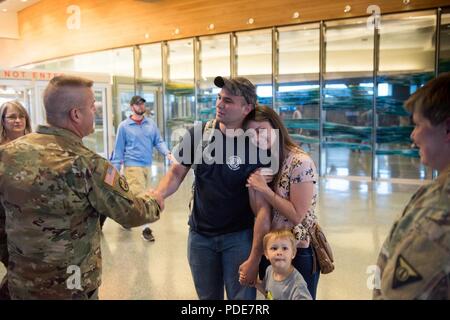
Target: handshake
{"points": [[157, 196]]}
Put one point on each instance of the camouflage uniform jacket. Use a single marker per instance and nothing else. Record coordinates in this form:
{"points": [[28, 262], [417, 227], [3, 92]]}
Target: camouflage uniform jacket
{"points": [[52, 190], [415, 258]]}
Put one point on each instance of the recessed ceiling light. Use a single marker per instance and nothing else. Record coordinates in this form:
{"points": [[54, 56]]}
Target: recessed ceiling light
{"points": [[177, 31], [211, 26], [296, 15], [406, 2], [147, 36], [347, 8], [251, 21]]}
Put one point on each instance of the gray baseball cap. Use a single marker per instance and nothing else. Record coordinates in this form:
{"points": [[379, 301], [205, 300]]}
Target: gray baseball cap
{"points": [[238, 86], [137, 100]]}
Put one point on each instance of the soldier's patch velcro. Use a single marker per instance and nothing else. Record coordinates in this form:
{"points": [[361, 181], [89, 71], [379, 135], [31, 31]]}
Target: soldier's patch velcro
{"points": [[123, 184], [110, 175], [404, 273]]}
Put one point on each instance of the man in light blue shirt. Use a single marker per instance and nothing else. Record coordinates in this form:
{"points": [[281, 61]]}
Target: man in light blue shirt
{"points": [[136, 137]]}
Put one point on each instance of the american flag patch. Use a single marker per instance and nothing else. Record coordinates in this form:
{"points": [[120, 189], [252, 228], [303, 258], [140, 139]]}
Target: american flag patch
{"points": [[110, 175]]}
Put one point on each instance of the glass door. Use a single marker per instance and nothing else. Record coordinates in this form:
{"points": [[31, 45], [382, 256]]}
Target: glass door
{"points": [[153, 104], [214, 61], [444, 50], [406, 62], [179, 89], [154, 108], [149, 81], [348, 98], [123, 91], [254, 61], [21, 91], [297, 85], [98, 141]]}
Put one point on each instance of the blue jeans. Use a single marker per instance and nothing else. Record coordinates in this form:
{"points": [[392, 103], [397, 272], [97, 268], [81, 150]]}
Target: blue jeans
{"points": [[215, 262], [304, 263]]}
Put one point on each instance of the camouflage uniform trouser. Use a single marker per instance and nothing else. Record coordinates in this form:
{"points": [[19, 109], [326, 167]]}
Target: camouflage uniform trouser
{"points": [[4, 291], [93, 295]]}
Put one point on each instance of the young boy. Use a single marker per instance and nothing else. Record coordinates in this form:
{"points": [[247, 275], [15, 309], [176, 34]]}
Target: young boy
{"points": [[282, 281]]}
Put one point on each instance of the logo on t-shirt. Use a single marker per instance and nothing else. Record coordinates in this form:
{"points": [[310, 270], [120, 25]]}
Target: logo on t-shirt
{"points": [[234, 162]]}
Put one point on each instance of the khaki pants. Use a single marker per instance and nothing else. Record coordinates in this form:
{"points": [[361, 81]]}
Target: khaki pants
{"points": [[4, 291], [138, 179]]}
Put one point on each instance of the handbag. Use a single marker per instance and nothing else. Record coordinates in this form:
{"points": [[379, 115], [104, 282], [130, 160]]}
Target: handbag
{"points": [[322, 249]]}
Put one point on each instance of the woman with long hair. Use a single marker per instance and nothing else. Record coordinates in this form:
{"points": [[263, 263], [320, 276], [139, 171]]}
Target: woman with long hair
{"points": [[15, 121], [292, 193]]}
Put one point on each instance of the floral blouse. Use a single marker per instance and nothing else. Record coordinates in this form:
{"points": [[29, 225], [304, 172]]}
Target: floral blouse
{"points": [[297, 167]]}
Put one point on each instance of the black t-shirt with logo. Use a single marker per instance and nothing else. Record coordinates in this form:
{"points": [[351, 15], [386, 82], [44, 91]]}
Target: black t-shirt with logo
{"points": [[221, 199]]}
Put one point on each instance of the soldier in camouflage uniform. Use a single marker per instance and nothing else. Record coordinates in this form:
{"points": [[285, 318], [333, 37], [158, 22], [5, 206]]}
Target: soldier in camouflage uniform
{"points": [[415, 258], [52, 190]]}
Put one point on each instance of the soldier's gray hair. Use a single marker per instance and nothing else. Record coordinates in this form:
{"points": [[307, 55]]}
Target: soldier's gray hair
{"points": [[63, 94], [21, 110]]}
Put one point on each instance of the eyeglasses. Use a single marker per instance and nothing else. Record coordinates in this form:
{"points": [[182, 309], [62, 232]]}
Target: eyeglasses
{"points": [[14, 117]]}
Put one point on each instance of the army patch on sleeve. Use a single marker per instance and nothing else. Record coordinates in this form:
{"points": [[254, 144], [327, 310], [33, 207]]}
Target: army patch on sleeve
{"points": [[123, 184], [404, 273], [110, 175]]}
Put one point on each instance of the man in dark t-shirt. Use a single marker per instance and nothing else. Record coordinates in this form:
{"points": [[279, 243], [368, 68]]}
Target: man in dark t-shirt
{"points": [[224, 236]]}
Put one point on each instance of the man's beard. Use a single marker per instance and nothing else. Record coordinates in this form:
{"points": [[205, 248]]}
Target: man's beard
{"points": [[139, 113]]}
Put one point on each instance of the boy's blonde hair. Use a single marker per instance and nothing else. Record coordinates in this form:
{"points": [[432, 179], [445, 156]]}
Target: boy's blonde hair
{"points": [[280, 234]]}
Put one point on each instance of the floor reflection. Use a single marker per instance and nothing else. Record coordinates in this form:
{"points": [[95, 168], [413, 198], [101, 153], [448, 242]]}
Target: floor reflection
{"points": [[356, 216]]}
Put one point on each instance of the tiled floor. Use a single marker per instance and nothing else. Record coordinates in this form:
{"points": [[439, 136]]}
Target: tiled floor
{"points": [[355, 215]]}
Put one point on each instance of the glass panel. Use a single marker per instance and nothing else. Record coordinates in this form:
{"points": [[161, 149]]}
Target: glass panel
{"points": [[180, 93], [407, 56], [297, 88], [348, 98], [123, 93], [444, 58], [96, 141], [151, 95], [10, 92], [214, 61], [254, 61], [149, 82], [22, 92], [117, 62], [40, 117], [151, 63], [153, 104]]}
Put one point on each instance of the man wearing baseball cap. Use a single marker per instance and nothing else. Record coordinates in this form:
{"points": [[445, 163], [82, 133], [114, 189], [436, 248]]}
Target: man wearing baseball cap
{"points": [[136, 137], [224, 236]]}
